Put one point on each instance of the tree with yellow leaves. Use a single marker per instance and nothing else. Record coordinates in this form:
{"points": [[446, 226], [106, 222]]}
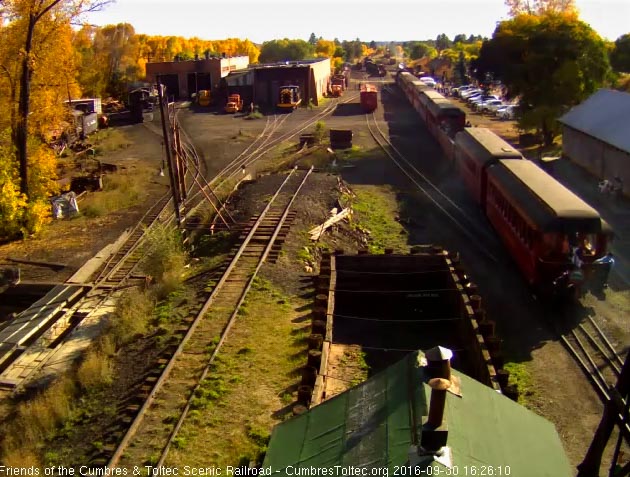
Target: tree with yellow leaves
{"points": [[539, 7], [37, 73]]}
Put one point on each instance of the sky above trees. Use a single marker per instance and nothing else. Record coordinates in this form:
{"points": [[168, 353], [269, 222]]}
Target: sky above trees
{"points": [[345, 19]]}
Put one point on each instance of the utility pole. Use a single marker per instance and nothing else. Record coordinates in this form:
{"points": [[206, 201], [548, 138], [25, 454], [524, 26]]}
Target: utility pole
{"points": [[169, 155], [613, 409]]}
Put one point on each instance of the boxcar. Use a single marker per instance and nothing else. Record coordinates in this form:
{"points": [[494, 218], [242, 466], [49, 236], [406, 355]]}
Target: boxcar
{"points": [[539, 220], [369, 99], [475, 150]]}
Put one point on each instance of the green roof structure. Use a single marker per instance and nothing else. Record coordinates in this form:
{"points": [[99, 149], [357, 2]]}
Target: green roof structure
{"points": [[379, 424]]}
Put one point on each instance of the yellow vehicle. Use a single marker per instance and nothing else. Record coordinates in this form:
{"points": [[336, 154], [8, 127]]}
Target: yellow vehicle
{"points": [[289, 98], [234, 104], [203, 97]]}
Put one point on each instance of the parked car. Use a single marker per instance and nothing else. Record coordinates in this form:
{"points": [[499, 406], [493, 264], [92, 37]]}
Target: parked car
{"points": [[507, 112], [477, 103], [491, 106], [460, 89], [466, 94], [428, 81], [479, 100]]}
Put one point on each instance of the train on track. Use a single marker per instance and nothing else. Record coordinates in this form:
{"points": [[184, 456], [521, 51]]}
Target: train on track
{"points": [[369, 99], [435, 110], [289, 97], [539, 220]]}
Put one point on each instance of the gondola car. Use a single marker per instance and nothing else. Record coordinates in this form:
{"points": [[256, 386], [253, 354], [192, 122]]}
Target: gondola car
{"points": [[476, 149], [289, 97], [369, 99], [540, 221]]}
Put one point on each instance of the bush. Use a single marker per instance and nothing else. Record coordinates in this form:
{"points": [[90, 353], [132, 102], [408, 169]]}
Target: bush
{"points": [[320, 131], [165, 259], [95, 370], [132, 316]]}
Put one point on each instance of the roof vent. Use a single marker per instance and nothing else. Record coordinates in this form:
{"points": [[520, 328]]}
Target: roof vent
{"points": [[439, 362]]}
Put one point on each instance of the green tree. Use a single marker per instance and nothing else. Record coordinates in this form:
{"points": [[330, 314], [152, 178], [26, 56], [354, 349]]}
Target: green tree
{"points": [[461, 38], [418, 49], [620, 55], [460, 68], [551, 62], [442, 42], [312, 39], [285, 50]]}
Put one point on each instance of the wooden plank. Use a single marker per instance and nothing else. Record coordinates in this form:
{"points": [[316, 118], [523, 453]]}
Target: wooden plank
{"points": [[316, 232], [330, 311]]}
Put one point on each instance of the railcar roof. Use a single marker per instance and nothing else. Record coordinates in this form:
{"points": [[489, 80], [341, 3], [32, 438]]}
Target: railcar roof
{"points": [[546, 201], [485, 146], [432, 94], [446, 105]]}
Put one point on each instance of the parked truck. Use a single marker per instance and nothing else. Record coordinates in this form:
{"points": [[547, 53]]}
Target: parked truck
{"points": [[234, 103]]}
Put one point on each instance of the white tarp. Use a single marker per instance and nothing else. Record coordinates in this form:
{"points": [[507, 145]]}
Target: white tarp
{"points": [[64, 205]]}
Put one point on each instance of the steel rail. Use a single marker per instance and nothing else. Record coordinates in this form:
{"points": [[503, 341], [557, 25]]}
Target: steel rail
{"points": [[167, 369], [457, 223], [234, 314]]}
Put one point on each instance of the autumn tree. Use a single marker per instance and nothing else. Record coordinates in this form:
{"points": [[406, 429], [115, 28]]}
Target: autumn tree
{"points": [[539, 7], [37, 72], [325, 48], [620, 55], [29, 15], [551, 62]]}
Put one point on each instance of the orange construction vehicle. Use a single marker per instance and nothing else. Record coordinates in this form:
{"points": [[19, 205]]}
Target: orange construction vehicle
{"points": [[234, 103]]}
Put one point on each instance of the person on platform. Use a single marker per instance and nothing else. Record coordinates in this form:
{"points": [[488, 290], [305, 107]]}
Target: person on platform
{"points": [[606, 263]]}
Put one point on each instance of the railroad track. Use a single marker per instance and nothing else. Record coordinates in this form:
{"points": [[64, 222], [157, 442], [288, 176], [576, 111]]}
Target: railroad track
{"points": [[450, 209], [265, 142], [595, 354], [171, 393]]}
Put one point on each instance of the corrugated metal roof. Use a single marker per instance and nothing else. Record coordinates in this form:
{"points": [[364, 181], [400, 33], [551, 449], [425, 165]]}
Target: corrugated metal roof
{"points": [[605, 116], [371, 425]]}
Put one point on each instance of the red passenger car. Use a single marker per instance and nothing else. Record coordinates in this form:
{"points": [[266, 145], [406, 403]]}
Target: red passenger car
{"points": [[443, 114], [369, 99], [475, 150], [540, 220]]}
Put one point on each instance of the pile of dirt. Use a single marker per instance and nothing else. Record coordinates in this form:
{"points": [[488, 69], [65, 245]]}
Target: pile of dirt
{"points": [[300, 255]]}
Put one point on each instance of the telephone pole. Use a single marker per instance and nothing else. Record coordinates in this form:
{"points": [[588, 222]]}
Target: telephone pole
{"points": [[169, 155]]}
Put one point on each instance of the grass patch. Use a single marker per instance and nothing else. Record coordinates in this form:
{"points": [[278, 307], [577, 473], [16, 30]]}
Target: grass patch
{"points": [[235, 419], [109, 140], [119, 192], [255, 115], [374, 209], [520, 375], [35, 421]]}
